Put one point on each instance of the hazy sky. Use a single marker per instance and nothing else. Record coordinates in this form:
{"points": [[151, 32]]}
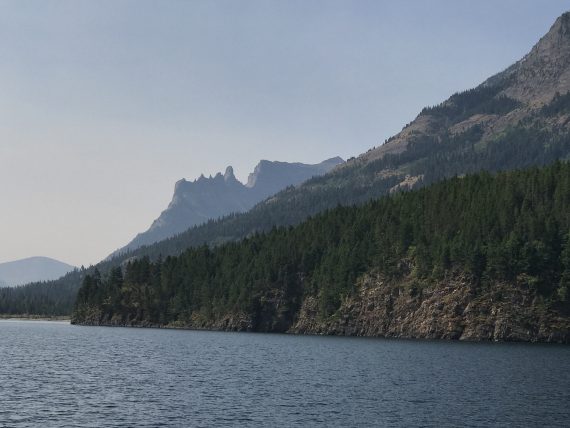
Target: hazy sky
{"points": [[105, 104]]}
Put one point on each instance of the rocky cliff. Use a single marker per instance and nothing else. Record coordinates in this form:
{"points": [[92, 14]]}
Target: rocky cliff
{"points": [[452, 309], [196, 202]]}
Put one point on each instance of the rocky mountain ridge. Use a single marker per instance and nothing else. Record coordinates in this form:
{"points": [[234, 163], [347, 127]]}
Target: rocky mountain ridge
{"points": [[196, 202], [531, 82]]}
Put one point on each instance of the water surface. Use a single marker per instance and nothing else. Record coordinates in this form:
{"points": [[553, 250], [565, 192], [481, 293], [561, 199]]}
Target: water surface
{"points": [[55, 374]]}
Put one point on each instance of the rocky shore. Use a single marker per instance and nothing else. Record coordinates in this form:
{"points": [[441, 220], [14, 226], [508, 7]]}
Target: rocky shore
{"points": [[453, 309]]}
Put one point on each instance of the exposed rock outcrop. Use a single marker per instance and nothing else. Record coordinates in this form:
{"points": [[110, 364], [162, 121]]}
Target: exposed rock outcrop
{"points": [[196, 202], [452, 309]]}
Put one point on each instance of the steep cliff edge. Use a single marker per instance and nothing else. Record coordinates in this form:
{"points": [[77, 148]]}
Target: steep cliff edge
{"points": [[454, 309], [209, 198]]}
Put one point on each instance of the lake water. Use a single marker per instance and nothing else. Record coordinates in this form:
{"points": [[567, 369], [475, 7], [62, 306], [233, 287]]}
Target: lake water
{"points": [[55, 374]]}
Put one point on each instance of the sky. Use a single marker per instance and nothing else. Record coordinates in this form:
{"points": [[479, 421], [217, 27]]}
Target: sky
{"points": [[105, 104]]}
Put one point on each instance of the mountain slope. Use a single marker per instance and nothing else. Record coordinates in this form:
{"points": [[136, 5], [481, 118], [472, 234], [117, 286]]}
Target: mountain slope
{"points": [[515, 119], [206, 199], [502, 101], [475, 258], [31, 270]]}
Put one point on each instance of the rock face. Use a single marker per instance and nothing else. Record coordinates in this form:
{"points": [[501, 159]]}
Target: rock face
{"points": [[32, 269], [196, 202], [546, 68], [453, 309], [269, 178]]}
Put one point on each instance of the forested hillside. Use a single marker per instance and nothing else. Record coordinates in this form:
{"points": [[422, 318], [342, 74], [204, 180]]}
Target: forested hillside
{"points": [[49, 298], [512, 229]]}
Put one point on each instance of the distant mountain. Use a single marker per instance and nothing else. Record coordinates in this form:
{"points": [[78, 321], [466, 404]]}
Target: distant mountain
{"points": [[269, 178], [32, 269], [196, 202]]}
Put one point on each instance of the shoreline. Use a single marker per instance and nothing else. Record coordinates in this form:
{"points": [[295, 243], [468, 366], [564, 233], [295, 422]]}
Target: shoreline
{"points": [[34, 318], [534, 340]]}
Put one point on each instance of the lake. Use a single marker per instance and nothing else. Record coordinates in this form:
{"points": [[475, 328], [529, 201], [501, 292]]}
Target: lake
{"points": [[56, 374]]}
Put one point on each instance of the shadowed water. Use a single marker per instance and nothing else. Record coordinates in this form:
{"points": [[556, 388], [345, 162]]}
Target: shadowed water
{"points": [[55, 374]]}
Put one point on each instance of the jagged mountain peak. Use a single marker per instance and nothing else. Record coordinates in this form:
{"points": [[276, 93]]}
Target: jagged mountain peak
{"points": [[544, 71], [229, 174], [196, 202], [252, 177], [561, 26]]}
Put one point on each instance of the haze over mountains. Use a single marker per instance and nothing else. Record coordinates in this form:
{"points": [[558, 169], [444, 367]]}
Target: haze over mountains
{"points": [[196, 202], [32, 269], [515, 119]]}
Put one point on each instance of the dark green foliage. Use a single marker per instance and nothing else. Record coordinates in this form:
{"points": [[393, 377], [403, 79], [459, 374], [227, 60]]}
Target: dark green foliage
{"points": [[512, 227], [50, 298], [559, 105], [480, 100], [518, 147], [564, 286]]}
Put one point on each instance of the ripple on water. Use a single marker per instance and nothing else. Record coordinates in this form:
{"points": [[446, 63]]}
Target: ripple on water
{"points": [[54, 374]]}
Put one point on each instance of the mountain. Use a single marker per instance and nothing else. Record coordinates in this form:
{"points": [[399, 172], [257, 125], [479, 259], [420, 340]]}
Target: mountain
{"points": [[475, 258], [31, 270], [269, 178], [515, 119], [196, 202], [509, 99]]}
